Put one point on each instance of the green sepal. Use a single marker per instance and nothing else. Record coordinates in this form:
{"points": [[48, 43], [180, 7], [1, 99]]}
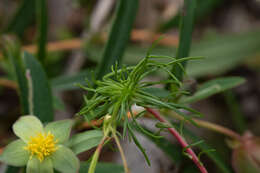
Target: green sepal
{"points": [[27, 126], [84, 141], [64, 160], [60, 129], [35, 166], [15, 154]]}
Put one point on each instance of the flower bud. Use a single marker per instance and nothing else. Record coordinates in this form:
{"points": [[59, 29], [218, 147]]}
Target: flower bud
{"points": [[246, 156]]}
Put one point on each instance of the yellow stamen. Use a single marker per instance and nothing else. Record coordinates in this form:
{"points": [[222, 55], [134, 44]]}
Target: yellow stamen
{"points": [[42, 145]]}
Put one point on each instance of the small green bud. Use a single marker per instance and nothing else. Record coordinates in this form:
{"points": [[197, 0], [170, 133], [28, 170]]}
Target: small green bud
{"points": [[246, 156]]}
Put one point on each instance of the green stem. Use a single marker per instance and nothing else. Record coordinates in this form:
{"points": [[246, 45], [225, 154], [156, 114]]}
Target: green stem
{"points": [[94, 160], [121, 152], [115, 114]]}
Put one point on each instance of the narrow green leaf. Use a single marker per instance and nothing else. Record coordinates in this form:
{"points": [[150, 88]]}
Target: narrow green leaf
{"points": [[138, 144], [186, 28], [213, 87], [119, 35], [103, 168], [237, 117], [58, 103], [22, 18], [158, 92], [84, 141], [225, 51], [42, 96], [42, 27], [13, 54], [69, 82]]}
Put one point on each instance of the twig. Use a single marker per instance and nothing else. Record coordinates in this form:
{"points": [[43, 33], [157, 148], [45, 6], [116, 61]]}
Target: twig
{"points": [[8, 83], [210, 126], [181, 140]]}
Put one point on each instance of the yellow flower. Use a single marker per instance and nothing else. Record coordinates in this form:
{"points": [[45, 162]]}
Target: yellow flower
{"points": [[41, 148]]}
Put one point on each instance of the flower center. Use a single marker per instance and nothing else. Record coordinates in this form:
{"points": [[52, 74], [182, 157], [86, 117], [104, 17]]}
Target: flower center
{"points": [[42, 145]]}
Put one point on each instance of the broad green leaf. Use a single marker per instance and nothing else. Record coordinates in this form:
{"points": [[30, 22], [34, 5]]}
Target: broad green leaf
{"points": [[64, 160], [42, 96], [213, 87], [119, 35], [35, 166], [15, 154], [69, 82], [23, 17], [84, 141], [103, 168], [60, 129], [27, 126], [186, 28], [42, 27]]}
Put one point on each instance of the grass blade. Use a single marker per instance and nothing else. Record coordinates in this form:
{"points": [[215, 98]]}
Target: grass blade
{"points": [[186, 27], [22, 18], [42, 26], [119, 35]]}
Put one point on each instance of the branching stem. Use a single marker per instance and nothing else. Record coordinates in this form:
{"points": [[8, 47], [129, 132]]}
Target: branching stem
{"points": [[180, 139]]}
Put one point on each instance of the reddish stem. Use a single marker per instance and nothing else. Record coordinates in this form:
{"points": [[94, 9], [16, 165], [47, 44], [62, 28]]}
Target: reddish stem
{"points": [[180, 139]]}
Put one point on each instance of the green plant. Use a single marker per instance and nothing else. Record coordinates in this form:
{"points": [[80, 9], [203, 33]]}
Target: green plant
{"points": [[113, 90]]}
